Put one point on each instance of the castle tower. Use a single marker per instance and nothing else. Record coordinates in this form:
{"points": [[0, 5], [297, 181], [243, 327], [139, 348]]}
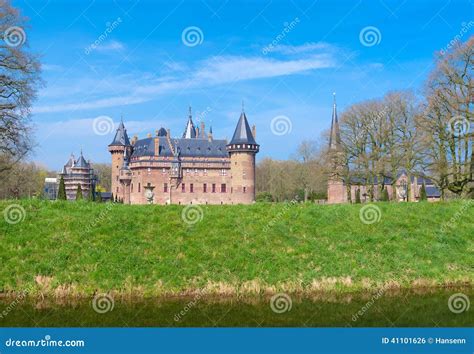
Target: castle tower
{"points": [[336, 188], [119, 148], [242, 149], [125, 178]]}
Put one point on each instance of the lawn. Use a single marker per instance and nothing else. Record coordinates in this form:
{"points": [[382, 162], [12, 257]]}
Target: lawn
{"points": [[78, 249]]}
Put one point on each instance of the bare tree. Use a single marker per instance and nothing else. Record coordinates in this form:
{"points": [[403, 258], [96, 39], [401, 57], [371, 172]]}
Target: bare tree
{"points": [[19, 80]]}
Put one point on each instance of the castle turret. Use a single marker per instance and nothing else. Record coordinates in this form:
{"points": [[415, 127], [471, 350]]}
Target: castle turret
{"points": [[242, 149], [125, 177], [336, 190], [119, 148]]}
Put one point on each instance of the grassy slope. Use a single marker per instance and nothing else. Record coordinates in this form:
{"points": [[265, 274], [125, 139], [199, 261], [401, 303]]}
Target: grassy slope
{"points": [[150, 250]]}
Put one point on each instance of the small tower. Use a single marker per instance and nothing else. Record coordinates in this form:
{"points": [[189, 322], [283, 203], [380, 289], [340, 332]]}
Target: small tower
{"points": [[125, 177], [336, 189], [119, 148], [242, 149], [190, 130]]}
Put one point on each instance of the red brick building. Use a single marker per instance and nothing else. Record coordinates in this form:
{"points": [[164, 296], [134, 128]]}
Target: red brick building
{"points": [[193, 169], [407, 185]]}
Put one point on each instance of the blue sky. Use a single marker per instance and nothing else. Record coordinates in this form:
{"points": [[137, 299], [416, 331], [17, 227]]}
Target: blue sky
{"points": [[133, 59]]}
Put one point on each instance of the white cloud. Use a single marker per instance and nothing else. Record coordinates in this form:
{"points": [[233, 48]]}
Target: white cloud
{"points": [[211, 72], [110, 46], [303, 48]]}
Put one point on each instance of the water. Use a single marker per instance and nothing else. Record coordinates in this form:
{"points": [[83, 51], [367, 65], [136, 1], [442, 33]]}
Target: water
{"points": [[400, 309]]}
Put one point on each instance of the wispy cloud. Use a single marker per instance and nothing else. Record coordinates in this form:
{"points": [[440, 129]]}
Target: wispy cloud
{"points": [[304, 48], [211, 72], [111, 46]]}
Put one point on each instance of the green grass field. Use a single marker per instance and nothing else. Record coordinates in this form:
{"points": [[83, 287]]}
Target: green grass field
{"points": [[77, 249]]}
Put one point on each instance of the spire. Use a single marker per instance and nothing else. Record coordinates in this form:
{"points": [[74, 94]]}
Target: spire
{"points": [[190, 130], [335, 136], [121, 137], [243, 133]]}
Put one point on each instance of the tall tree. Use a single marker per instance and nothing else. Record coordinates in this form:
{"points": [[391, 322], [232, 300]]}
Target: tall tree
{"points": [[62, 190], [19, 80]]}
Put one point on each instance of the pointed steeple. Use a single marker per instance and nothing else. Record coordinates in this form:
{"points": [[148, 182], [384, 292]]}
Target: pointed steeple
{"points": [[335, 136], [121, 137], [190, 130], [243, 133], [81, 162]]}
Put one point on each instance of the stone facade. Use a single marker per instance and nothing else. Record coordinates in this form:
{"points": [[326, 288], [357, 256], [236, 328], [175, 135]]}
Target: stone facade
{"points": [[193, 169]]}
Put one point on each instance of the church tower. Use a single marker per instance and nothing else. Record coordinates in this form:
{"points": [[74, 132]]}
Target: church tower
{"points": [[120, 149], [336, 188], [242, 149]]}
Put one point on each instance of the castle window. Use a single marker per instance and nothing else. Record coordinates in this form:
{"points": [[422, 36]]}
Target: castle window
{"points": [[165, 188], [243, 174], [213, 188], [183, 188], [188, 171], [204, 188], [223, 172], [196, 171], [223, 188], [164, 170], [245, 189], [205, 172], [191, 188], [139, 188]]}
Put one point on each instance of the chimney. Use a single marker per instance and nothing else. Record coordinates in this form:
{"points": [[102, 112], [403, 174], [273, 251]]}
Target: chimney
{"points": [[203, 132], [168, 131], [197, 132], [157, 146], [209, 137], [254, 132], [134, 139]]}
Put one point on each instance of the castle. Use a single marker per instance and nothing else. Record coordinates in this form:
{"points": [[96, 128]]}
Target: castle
{"points": [[77, 173], [402, 187], [193, 169]]}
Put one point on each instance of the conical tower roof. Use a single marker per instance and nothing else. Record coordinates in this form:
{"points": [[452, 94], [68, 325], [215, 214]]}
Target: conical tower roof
{"points": [[190, 130], [121, 137], [243, 133]]}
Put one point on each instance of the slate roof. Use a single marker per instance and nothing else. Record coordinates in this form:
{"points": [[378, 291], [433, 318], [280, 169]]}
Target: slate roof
{"points": [[81, 162], [121, 137], [162, 132], [432, 192], [186, 148], [243, 133], [190, 130], [335, 136]]}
